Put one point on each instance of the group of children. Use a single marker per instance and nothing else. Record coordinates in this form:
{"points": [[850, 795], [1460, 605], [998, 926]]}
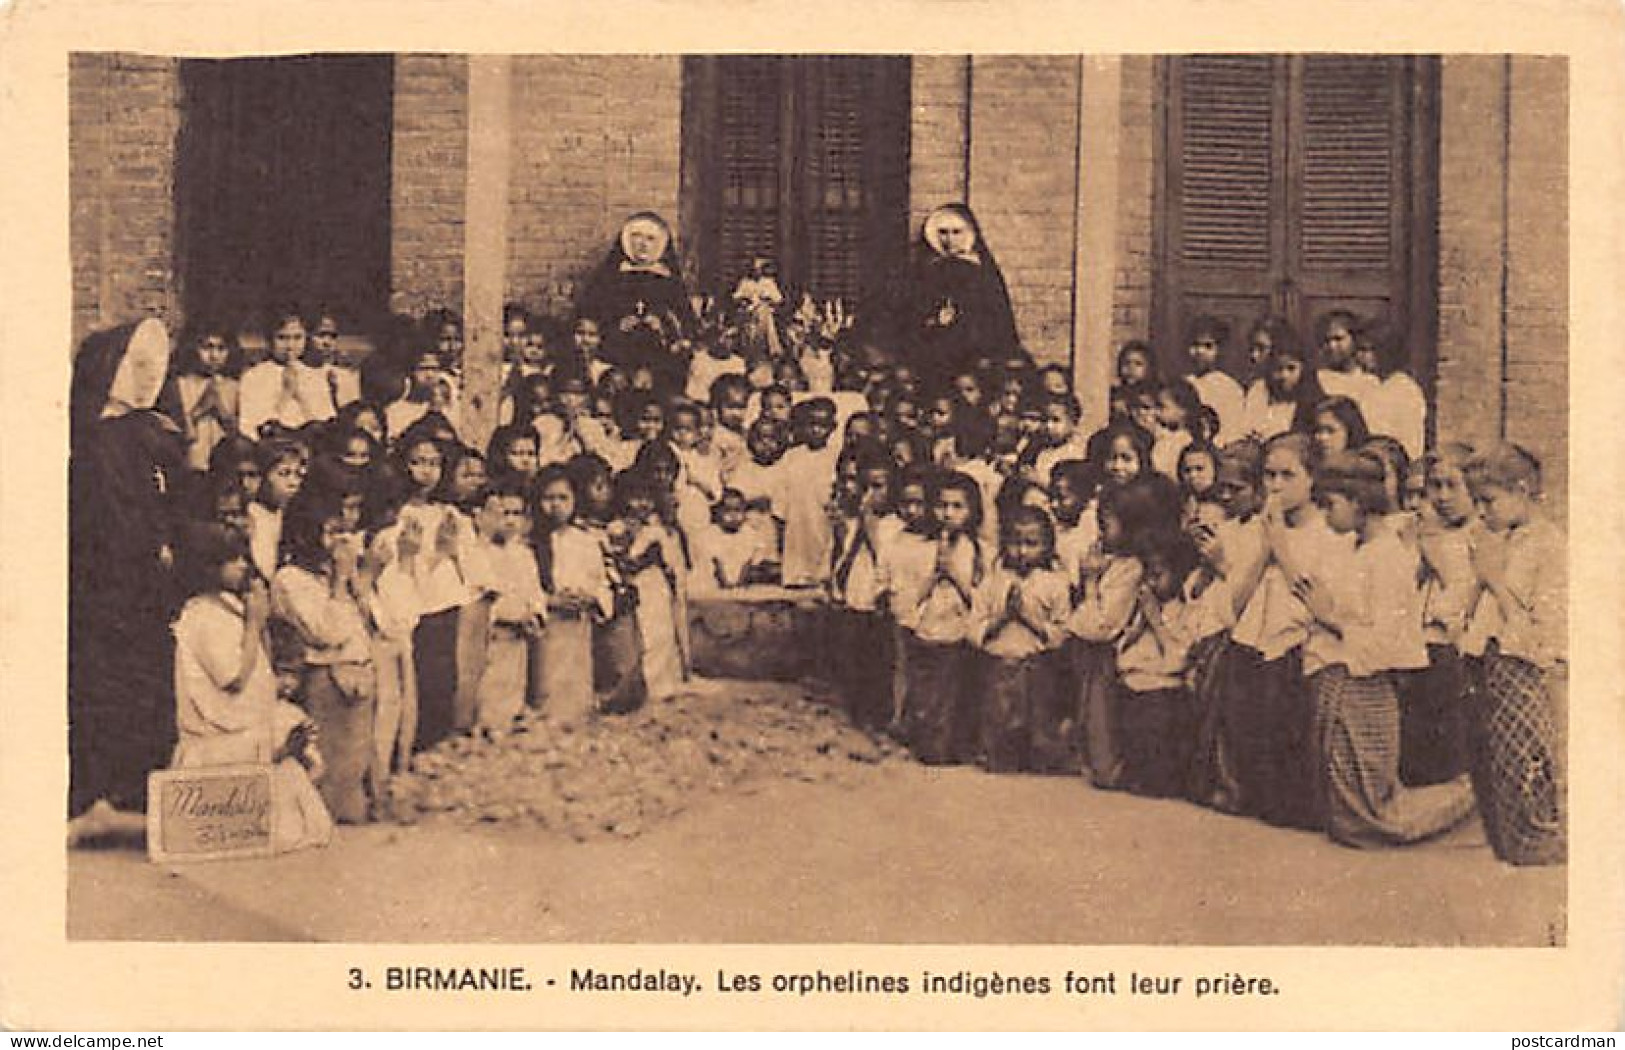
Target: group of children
{"points": [[1266, 599]]}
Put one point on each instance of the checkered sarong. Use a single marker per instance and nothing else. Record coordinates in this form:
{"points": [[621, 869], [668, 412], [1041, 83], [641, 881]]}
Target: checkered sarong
{"points": [[1357, 730], [1517, 762]]}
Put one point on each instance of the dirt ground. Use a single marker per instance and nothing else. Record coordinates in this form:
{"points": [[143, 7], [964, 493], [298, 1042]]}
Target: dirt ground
{"points": [[894, 853]]}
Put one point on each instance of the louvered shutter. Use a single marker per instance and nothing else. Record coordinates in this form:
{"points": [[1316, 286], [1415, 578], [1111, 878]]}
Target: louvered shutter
{"points": [[750, 148], [1225, 193], [1227, 181], [1291, 185], [805, 162], [1350, 167], [1348, 142], [834, 196]]}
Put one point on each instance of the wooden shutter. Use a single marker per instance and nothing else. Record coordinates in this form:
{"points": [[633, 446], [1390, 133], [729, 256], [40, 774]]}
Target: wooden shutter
{"points": [[749, 164], [1349, 157], [1224, 187], [1227, 173], [834, 171], [1295, 185], [1349, 172], [801, 159]]}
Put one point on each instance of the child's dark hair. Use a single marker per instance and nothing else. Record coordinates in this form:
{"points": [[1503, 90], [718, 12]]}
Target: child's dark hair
{"points": [[1344, 319], [301, 543], [1101, 441], [958, 481], [723, 385], [205, 547], [1020, 515], [1188, 401], [1280, 331], [1147, 508], [1503, 465], [655, 455], [1349, 417], [973, 434], [187, 362], [1392, 455], [508, 487], [1069, 402], [1143, 348], [1357, 475], [1172, 550], [1206, 325], [1080, 476]]}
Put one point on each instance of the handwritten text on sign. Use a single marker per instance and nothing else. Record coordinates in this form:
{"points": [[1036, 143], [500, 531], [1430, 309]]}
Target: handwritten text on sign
{"points": [[209, 813]]}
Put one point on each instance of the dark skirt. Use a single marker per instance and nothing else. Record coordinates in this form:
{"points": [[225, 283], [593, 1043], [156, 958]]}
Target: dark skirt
{"points": [[121, 716], [344, 726], [1095, 699], [1357, 734], [1266, 716], [1517, 747], [1156, 732], [1017, 717], [1212, 780], [434, 655], [862, 655], [934, 716], [1433, 719], [617, 664]]}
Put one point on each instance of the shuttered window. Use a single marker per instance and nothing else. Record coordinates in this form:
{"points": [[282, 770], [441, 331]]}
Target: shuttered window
{"points": [[798, 159], [1296, 185]]}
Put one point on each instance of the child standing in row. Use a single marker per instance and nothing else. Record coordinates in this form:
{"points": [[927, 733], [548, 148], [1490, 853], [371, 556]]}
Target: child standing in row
{"points": [[1021, 623]]}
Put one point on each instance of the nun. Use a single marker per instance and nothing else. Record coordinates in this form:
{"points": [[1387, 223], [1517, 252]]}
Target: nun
{"points": [[126, 458], [958, 306], [640, 301]]}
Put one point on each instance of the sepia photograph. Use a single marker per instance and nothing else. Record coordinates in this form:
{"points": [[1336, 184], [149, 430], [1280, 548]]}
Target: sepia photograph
{"points": [[819, 498], [708, 516]]}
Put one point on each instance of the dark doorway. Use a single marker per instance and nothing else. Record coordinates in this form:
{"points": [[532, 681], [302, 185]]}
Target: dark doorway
{"points": [[282, 185], [801, 159]]}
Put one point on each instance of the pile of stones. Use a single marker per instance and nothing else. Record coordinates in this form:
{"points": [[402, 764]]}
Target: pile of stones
{"points": [[619, 775]]}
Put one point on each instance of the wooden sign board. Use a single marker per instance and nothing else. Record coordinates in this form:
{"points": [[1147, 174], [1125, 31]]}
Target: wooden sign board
{"points": [[209, 813]]}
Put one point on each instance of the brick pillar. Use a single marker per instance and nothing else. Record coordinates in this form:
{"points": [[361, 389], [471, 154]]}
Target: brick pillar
{"points": [[1136, 190], [485, 242], [1100, 100]]}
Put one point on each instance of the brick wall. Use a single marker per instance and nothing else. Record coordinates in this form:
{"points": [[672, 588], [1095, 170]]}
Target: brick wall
{"points": [[1023, 187], [1503, 195], [1136, 183], [123, 114], [1471, 140], [429, 168], [595, 139], [1537, 331], [936, 162]]}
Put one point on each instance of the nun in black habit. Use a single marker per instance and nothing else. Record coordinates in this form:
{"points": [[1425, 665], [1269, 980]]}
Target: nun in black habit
{"points": [[958, 308], [640, 302], [125, 460]]}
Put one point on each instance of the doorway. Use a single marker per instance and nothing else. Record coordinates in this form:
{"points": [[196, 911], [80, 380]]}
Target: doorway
{"points": [[283, 184]]}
